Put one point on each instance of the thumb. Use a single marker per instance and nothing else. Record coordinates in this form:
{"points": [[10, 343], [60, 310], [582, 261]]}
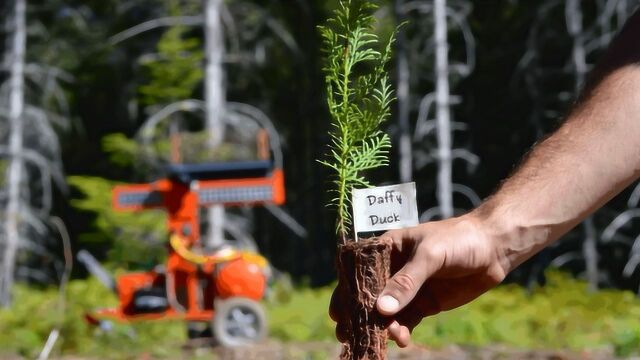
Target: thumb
{"points": [[403, 286]]}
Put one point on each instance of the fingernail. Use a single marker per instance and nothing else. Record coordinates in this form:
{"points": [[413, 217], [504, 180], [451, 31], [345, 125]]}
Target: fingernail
{"points": [[388, 304]]}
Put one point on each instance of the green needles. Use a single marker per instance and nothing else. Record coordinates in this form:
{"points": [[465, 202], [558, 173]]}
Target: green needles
{"points": [[359, 96]]}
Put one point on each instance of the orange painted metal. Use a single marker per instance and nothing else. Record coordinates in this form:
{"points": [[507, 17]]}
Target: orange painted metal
{"points": [[278, 187], [235, 277], [129, 283], [116, 314], [275, 182], [240, 278], [262, 142], [176, 198], [169, 191]]}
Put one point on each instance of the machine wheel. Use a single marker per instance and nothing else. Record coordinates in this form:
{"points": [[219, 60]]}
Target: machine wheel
{"points": [[198, 330], [238, 321]]}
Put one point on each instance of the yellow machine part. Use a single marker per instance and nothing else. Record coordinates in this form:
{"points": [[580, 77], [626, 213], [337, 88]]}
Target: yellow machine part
{"points": [[178, 245]]}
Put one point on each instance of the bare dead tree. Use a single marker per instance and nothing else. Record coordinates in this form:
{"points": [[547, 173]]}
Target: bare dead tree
{"points": [[574, 19], [242, 122], [16, 162], [443, 111], [227, 41], [403, 97], [215, 100], [438, 17], [32, 152], [64, 281], [585, 39], [613, 233]]}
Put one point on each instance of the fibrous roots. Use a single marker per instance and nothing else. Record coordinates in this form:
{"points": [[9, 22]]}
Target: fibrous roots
{"points": [[363, 270]]}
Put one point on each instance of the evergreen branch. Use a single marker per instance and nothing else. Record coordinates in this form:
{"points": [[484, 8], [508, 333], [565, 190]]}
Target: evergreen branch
{"points": [[358, 100]]}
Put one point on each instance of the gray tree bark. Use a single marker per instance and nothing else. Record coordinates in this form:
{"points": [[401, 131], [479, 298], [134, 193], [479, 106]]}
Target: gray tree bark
{"points": [[443, 111], [215, 103], [402, 68], [16, 162], [573, 13]]}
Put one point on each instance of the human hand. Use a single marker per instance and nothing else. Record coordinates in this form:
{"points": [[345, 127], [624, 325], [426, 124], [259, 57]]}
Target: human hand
{"points": [[436, 267]]}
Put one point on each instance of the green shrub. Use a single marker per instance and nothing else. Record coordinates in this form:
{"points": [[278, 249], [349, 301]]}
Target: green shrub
{"points": [[563, 314], [25, 327], [302, 317], [135, 239]]}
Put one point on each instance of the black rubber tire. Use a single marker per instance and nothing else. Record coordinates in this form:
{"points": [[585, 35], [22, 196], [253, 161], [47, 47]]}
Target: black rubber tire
{"points": [[198, 330], [238, 321]]}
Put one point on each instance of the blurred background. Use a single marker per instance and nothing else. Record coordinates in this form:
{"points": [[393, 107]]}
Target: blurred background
{"points": [[92, 94]]}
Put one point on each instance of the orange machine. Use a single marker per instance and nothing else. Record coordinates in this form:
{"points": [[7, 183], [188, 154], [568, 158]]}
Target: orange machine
{"points": [[223, 287]]}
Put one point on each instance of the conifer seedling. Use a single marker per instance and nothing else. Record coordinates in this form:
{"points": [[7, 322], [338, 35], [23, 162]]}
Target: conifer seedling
{"points": [[359, 96]]}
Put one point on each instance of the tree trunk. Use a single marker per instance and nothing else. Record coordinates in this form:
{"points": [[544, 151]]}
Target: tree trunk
{"points": [[590, 253], [573, 13], [443, 115], [402, 68], [215, 103], [578, 55], [363, 270], [15, 169]]}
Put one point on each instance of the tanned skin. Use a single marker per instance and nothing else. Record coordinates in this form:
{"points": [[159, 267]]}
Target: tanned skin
{"points": [[593, 156]]}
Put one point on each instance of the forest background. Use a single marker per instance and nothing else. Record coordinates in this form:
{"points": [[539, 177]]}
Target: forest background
{"points": [[513, 69]]}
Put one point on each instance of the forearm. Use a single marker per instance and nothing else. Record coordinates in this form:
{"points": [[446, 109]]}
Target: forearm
{"points": [[593, 156]]}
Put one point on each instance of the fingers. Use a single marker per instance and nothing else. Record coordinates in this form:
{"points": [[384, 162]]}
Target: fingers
{"points": [[400, 334], [423, 305], [454, 292], [336, 312], [403, 286], [341, 333], [335, 306], [399, 237]]}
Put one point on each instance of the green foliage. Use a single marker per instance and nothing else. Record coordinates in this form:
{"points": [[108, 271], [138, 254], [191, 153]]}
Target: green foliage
{"points": [[176, 71], [135, 239], [27, 324], [358, 95], [302, 316], [561, 315], [121, 150], [194, 148]]}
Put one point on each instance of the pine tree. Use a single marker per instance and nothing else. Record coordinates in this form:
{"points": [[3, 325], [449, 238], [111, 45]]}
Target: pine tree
{"points": [[359, 96]]}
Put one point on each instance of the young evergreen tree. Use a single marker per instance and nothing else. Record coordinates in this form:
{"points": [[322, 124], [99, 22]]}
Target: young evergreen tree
{"points": [[176, 69], [359, 96]]}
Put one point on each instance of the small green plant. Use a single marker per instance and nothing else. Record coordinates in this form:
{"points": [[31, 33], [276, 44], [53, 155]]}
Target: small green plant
{"points": [[358, 95], [563, 314], [135, 240], [176, 70]]}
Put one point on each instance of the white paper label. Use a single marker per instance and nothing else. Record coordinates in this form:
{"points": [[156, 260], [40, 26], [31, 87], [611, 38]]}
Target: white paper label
{"points": [[385, 207]]}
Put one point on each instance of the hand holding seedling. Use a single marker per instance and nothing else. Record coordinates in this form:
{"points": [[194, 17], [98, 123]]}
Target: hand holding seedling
{"points": [[593, 156], [438, 266], [358, 98]]}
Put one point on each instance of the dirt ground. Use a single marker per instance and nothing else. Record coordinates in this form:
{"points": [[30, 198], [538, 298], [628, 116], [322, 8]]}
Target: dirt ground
{"points": [[273, 350], [287, 351]]}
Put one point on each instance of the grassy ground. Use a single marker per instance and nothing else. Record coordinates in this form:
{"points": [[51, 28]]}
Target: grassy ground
{"points": [[562, 315]]}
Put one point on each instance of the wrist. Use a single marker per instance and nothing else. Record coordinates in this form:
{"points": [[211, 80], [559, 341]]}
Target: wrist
{"points": [[512, 238]]}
